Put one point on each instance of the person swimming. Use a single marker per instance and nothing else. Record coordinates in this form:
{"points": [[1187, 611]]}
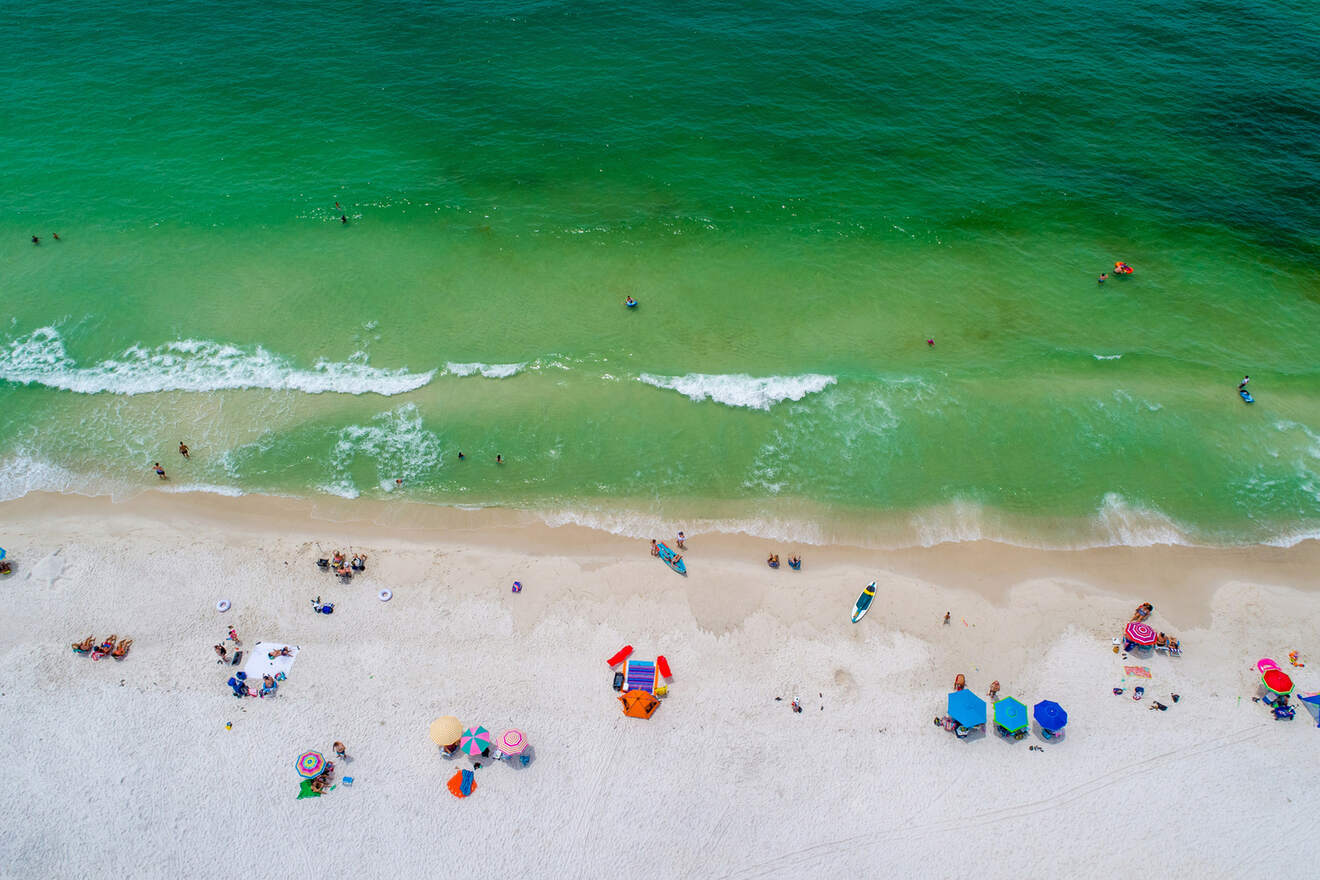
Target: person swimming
{"points": [[630, 302]]}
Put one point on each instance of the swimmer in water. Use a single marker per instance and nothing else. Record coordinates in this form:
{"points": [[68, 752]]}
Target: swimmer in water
{"points": [[630, 301], [183, 450], [461, 456], [36, 240], [499, 459], [930, 342], [1104, 276]]}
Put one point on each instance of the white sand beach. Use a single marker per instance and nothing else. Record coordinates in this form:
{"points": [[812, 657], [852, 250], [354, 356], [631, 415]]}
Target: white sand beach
{"points": [[126, 769]]}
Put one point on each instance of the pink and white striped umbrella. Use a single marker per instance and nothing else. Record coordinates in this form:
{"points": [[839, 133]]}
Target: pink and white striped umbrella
{"points": [[512, 742], [1140, 633]]}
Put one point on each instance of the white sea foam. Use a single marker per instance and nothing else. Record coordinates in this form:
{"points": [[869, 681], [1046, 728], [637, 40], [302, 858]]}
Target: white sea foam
{"points": [[1107, 357], [740, 389], [395, 444], [490, 371], [192, 365]]}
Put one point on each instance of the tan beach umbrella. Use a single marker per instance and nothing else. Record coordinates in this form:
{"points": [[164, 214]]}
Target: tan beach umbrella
{"points": [[446, 730]]}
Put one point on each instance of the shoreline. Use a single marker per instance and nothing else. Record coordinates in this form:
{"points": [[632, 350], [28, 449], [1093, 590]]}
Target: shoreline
{"points": [[1182, 577]]}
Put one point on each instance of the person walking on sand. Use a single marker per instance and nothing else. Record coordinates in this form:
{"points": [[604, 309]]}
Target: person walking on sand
{"points": [[183, 449], [946, 618], [680, 541], [994, 690], [160, 471], [340, 751]]}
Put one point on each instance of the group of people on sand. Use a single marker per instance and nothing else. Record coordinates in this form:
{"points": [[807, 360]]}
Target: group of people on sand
{"points": [[1162, 640], [794, 561], [342, 566], [113, 646]]}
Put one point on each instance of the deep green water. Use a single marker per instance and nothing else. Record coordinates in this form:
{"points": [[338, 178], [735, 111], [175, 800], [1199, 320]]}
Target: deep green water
{"points": [[798, 194]]}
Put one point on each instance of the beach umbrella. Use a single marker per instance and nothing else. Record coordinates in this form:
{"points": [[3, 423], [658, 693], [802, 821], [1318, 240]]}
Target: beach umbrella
{"points": [[512, 742], [446, 730], [310, 764], [1278, 681], [1010, 714], [2, 552], [1140, 633], [1313, 700], [1050, 715], [966, 708], [474, 742]]}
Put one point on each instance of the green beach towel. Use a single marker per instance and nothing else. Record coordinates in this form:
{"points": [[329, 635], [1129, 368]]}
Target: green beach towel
{"points": [[305, 790]]}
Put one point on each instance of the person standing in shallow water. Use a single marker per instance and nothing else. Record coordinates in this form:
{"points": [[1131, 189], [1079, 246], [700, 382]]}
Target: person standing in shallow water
{"points": [[183, 449], [160, 471]]}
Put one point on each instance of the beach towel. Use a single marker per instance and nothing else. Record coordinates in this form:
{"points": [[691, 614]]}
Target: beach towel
{"points": [[259, 664], [305, 790], [641, 676], [1137, 671], [462, 783]]}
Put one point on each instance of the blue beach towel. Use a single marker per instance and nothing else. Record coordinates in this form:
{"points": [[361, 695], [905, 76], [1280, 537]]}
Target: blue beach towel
{"points": [[641, 676]]}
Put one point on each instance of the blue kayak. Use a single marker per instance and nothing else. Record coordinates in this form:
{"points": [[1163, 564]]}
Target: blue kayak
{"points": [[672, 559]]}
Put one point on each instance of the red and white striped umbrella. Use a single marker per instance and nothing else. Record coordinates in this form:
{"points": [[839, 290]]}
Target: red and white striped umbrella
{"points": [[1140, 633], [512, 742]]}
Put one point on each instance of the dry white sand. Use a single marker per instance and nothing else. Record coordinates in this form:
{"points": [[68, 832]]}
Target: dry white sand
{"points": [[127, 769]]}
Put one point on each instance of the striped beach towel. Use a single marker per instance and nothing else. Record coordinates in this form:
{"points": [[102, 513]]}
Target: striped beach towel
{"points": [[641, 676]]}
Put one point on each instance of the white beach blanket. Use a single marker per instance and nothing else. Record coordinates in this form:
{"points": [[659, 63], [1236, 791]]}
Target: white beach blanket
{"points": [[258, 664]]}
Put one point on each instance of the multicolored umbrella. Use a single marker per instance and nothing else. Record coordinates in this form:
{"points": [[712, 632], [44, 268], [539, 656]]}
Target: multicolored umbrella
{"points": [[966, 708], [1278, 681], [1050, 715], [310, 764], [1011, 714], [512, 742], [1140, 633], [446, 730], [474, 742]]}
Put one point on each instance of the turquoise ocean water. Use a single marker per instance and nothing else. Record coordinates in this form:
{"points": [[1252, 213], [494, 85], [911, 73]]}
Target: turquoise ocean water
{"points": [[798, 194]]}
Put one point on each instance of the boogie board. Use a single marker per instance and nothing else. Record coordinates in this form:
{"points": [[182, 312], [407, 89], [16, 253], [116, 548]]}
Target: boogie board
{"points": [[863, 602], [668, 556], [1246, 396]]}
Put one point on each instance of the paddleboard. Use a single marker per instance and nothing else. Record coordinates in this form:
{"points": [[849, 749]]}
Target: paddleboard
{"points": [[863, 602], [668, 556], [1246, 395]]}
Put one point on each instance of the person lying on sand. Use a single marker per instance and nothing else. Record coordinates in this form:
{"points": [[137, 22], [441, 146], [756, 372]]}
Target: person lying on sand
{"points": [[1143, 611], [220, 652], [282, 652], [1173, 643], [85, 646], [122, 650], [108, 645]]}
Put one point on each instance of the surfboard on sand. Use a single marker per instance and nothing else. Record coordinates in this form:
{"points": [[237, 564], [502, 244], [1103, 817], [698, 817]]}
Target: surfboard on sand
{"points": [[863, 602]]}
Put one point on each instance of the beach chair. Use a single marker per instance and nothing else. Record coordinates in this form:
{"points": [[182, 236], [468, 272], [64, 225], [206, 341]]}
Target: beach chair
{"points": [[1174, 651], [1161, 649]]}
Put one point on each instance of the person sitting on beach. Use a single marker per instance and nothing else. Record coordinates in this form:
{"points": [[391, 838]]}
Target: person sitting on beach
{"points": [[337, 559], [655, 548], [959, 682], [317, 785], [1161, 640], [1173, 643], [773, 560], [795, 561], [359, 562], [85, 646]]}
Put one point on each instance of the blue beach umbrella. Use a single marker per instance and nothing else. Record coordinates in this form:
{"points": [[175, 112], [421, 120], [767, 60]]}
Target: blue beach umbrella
{"points": [[2, 552], [966, 708], [1050, 715], [1010, 714]]}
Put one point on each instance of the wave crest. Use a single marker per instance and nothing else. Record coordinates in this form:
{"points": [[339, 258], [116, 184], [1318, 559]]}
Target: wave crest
{"points": [[740, 389], [193, 365]]}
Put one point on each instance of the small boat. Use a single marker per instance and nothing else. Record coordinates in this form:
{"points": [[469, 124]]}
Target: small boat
{"points": [[672, 559], [863, 602], [1246, 396]]}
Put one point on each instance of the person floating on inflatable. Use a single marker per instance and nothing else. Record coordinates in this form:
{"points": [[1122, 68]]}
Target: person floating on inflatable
{"points": [[1121, 268], [630, 303]]}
